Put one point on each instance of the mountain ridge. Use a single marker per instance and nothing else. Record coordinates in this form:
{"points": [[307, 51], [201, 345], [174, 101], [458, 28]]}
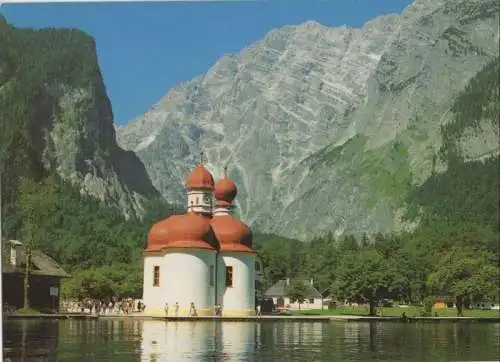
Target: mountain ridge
{"points": [[378, 95]]}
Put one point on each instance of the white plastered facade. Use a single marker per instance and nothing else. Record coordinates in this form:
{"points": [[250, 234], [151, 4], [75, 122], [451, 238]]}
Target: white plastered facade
{"points": [[184, 277], [239, 298], [191, 275]]}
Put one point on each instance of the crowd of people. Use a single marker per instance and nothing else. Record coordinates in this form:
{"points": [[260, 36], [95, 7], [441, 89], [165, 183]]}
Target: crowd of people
{"points": [[128, 306], [111, 307]]}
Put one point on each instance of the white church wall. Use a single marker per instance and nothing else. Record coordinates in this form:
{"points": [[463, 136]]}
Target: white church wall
{"points": [[151, 294], [184, 278], [238, 299]]}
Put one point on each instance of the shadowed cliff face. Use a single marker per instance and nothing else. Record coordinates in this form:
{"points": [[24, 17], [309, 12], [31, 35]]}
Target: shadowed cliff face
{"points": [[324, 129], [54, 109]]}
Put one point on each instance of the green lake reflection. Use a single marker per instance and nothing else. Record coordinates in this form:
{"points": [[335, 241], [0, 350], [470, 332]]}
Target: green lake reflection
{"points": [[134, 340]]}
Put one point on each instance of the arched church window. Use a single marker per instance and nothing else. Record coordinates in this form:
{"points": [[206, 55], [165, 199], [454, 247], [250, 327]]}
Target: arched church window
{"points": [[229, 276], [156, 276]]}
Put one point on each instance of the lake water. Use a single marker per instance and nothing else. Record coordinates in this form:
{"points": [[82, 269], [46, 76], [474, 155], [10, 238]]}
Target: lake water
{"points": [[135, 340]]}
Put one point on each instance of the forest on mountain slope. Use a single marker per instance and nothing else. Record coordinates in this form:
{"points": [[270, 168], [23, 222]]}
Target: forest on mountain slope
{"points": [[453, 252], [469, 190], [29, 61]]}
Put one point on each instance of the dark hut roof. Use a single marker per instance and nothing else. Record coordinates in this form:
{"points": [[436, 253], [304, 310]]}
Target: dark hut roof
{"points": [[42, 263], [280, 290]]}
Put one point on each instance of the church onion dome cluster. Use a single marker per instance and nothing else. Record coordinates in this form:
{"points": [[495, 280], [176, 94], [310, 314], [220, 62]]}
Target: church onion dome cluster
{"points": [[221, 232]]}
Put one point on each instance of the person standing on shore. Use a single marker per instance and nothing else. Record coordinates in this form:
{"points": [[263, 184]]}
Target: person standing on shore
{"points": [[176, 309], [192, 310], [258, 310], [166, 309]]}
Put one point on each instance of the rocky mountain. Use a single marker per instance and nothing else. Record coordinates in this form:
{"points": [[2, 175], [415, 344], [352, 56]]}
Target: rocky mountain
{"points": [[327, 129], [55, 116]]}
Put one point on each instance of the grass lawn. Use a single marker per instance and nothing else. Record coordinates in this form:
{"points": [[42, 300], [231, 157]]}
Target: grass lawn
{"points": [[410, 311], [26, 311]]}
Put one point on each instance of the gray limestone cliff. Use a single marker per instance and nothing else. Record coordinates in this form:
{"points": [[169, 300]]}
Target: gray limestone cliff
{"points": [[55, 115], [325, 129]]}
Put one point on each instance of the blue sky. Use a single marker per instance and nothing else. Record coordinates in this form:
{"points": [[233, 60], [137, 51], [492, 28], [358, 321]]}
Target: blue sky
{"points": [[145, 48]]}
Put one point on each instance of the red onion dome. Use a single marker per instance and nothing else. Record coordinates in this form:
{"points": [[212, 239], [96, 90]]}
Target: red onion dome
{"points": [[200, 178], [225, 190], [232, 234], [182, 231]]}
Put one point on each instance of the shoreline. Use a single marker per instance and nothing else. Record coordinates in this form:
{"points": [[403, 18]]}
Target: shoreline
{"points": [[264, 318]]}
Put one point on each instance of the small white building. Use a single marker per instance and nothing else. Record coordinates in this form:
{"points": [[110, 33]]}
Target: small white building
{"points": [[279, 294], [202, 258]]}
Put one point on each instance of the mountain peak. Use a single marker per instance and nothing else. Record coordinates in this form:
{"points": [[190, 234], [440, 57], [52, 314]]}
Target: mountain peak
{"points": [[317, 120]]}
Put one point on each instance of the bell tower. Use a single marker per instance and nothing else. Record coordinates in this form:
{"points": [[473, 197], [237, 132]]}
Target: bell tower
{"points": [[200, 187]]}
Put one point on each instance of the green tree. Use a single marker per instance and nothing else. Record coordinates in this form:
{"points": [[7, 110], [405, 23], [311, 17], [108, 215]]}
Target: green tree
{"points": [[321, 261], [88, 284], [117, 280], [401, 260], [126, 278], [281, 257], [37, 202], [467, 274], [427, 306], [364, 277], [296, 291], [348, 243]]}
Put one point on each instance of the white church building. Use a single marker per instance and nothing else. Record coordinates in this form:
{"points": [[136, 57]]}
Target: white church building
{"points": [[202, 258]]}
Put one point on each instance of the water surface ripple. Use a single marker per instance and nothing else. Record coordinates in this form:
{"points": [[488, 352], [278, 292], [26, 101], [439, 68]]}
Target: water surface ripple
{"points": [[155, 341]]}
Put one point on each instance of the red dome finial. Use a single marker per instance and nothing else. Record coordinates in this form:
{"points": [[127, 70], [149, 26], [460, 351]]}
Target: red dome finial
{"points": [[225, 189]]}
